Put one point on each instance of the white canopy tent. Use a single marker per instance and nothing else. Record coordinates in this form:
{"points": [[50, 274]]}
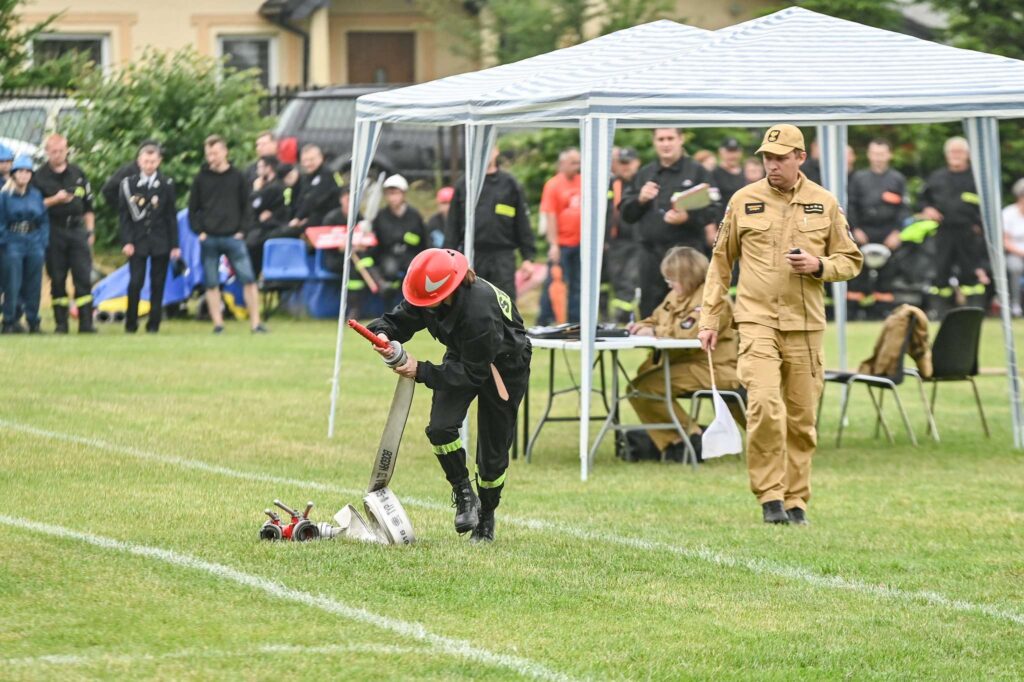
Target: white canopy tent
{"points": [[753, 74]]}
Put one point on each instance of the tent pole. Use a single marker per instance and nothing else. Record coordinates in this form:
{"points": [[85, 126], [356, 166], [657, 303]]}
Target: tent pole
{"points": [[832, 143]]}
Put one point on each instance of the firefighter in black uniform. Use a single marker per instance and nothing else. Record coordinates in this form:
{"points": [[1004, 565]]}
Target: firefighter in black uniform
{"points": [[502, 226], [401, 234], [648, 202], [877, 208], [68, 196], [269, 212], [317, 191], [950, 197], [149, 229], [622, 253], [487, 359]]}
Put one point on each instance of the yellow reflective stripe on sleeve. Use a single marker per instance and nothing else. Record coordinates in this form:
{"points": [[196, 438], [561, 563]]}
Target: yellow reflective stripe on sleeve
{"points": [[82, 300], [62, 301], [505, 210], [366, 262], [454, 446], [611, 194], [411, 238], [356, 285], [79, 191], [287, 194], [972, 290], [943, 292], [500, 481], [337, 178], [970, 198], [622, 304]]}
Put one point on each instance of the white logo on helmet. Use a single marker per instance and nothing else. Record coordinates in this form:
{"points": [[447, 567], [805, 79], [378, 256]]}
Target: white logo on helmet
{"points": [[434, 286]]}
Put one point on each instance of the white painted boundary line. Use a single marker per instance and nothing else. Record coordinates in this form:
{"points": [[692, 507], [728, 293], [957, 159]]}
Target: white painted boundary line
{"points": [[705, 554], [273, 649], [454, 647]]}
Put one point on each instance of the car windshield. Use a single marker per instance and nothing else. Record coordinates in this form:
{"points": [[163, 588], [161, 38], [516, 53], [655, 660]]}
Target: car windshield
{"points": [[26, 123], [287, 122], [327, 114]]}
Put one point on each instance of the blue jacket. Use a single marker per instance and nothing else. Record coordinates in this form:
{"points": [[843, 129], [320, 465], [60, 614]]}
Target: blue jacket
{"points": [[15, 208]]}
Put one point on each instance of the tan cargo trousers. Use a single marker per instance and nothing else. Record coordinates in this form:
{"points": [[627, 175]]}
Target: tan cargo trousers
{"points": [[782, 400]]}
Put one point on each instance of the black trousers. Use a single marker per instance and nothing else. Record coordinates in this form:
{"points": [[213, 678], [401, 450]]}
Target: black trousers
{"points": [[955, 254], [622, 265], [498, 268], [652, 283], [496, 420], [69, 251], [136, 279]]}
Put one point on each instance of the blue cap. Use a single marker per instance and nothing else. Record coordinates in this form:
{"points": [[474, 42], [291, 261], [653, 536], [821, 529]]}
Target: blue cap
{"points": [[5, 153], [23, 162]]}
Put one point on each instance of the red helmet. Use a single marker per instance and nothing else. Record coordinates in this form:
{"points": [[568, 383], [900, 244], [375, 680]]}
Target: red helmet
{"points": [[433, 275], [445, 194]]}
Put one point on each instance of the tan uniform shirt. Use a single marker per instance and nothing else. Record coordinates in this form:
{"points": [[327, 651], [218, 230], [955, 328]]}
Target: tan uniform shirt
{"points": [[677, 317], [761, 225]]}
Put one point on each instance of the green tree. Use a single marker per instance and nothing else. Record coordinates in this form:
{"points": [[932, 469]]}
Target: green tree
{"points": [[177, 98], [16, 67]]}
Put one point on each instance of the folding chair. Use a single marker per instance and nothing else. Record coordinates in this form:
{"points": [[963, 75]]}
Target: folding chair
{"points": [[871, 381], [955, 357], [321, 273], [285, 267]]}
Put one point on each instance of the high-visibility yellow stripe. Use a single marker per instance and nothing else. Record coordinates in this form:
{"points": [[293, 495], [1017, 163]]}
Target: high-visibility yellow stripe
{"points": [[454, 446], [62, 301], [337, 178], [79, 192], [356, 285], [944, 292], [411, 238], [970, 198], [82, 300], [505, 210], [287, 194], [497, 483], [366, 262], [622, 304], [971, 290]]}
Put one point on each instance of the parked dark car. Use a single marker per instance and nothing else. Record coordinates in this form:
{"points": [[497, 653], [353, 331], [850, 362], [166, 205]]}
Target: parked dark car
{"points": [[326, 118]]}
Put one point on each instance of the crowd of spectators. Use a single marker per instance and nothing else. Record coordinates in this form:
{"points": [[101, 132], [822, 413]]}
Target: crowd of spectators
{"points": [[930, 252]]}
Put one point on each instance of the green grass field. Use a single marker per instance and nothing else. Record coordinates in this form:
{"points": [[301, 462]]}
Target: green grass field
{"points": [[133, 473]]}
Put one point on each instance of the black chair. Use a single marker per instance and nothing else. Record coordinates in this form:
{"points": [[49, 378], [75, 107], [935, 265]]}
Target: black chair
{"points": [[955, 356], [871, 381]]}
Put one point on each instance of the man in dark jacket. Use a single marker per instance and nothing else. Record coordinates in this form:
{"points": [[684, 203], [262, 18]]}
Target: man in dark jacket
{"points": [[149, 230], [950, 197], [112, 187], [502, 226], [317, 191], [648, 202], [269, 212], [217, 210]]}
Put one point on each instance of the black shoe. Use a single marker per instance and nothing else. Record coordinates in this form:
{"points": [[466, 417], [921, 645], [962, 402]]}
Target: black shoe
{"points": [[15, 327], [697, 441], [130, 330], [33, 328], [797, 516], [218, 329], [774, 513], [260, 329], [60, 329], [484, 531], [152, 330], [467, 507]]}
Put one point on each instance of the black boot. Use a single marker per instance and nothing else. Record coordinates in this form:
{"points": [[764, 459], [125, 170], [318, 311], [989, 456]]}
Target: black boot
{"points": [[774, 513], [467, 507], [60, 318], [85, 323], [489, 500]]}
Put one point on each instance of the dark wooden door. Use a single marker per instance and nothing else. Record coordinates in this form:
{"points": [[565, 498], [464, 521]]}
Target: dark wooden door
{"points": [[381, 57]]}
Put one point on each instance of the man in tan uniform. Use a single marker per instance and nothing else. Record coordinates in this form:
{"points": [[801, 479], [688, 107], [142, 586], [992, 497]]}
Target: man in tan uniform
{"points": [[790, 236]]}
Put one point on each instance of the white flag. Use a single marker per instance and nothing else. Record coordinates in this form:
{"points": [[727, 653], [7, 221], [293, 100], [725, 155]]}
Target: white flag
{"points": [[722, 437]]}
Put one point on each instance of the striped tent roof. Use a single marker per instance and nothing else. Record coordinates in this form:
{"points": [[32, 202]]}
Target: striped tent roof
{"points": [[795, 64], [533, 80]]}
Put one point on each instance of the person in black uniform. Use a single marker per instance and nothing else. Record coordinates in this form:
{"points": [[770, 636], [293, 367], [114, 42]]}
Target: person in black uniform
{"points": [[502, 226], [877, 208], [728, 174], [401, 234], [149, 230], [487, 359], [266, 145], [623, 248], [111, 189], [269, 211], [648, 202], [68, 197], [950, 197], [317, 192]]}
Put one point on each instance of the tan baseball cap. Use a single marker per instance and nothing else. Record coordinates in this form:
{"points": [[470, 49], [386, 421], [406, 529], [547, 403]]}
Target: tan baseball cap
{"points": [[781, 139]]}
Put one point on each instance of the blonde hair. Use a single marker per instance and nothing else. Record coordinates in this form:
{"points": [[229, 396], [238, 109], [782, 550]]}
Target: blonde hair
{"points": [[686, 267]]}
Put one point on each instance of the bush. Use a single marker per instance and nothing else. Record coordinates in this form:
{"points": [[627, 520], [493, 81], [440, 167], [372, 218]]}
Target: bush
{"points": [[177, 98]]}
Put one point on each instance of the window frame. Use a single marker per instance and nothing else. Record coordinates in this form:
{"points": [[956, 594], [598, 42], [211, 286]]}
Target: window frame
{"points": [[271, 72], [70, 36]]}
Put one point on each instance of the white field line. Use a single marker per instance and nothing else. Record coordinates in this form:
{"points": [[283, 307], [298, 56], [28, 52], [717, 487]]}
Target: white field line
{"points": [[699, 553], [254, 652], [447, 645]]}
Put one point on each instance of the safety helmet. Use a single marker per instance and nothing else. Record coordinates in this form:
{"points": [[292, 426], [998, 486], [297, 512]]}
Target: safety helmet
{"points": [[433, 275], [396, 181], [22, 162], [5, 153], [445, 194]]}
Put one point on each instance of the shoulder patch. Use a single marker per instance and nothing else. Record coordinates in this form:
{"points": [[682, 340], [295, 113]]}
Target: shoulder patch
{"points": [[755, 207], [814, 208]]}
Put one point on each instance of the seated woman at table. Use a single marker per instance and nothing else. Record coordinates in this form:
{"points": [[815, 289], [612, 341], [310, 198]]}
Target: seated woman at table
{"points": [[677, 317]]}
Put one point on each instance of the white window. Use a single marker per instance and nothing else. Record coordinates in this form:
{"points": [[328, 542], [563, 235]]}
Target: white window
{"points": [[96, 46], [251, 52]]}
